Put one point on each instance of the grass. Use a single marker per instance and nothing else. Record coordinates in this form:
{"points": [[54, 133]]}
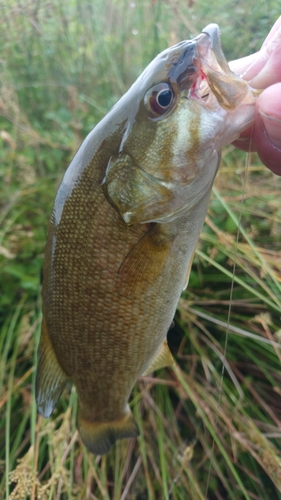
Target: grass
{"points": [[210, 427]]}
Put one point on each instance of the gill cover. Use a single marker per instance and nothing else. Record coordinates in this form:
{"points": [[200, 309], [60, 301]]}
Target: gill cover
{"points": [[137, 195], [134, 183]]}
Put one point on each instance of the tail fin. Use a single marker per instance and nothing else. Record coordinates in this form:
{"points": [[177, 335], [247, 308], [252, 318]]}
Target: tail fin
{"points": [[99, 437]]}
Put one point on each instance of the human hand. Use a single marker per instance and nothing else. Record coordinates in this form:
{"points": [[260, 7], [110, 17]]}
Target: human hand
{"points": [[263, 71]]}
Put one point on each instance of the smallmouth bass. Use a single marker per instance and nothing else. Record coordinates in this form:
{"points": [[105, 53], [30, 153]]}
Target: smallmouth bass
{"points": [[123, 232]]}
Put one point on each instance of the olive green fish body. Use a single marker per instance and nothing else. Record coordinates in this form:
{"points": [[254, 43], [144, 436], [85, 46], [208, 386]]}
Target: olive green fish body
{"points": [[124, 229], [116, 287]]}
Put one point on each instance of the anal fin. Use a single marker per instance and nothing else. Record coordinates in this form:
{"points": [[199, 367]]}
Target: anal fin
{"points": [[99, 437], [189, 270], [162, 358], [50, 378]]}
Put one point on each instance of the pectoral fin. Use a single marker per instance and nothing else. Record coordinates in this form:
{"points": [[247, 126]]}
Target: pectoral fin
{"points": [[162, 359], [138, 196], [145, 262], [50, 378]]}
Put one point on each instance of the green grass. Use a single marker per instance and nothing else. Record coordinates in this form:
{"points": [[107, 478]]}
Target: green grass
{"points": [[210, 427]]}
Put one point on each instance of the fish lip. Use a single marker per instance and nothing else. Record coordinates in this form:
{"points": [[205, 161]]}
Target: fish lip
{"points": [[210, 37], [213, 31], [184, 64], [213, 42], [181, 64], [192, 53]]}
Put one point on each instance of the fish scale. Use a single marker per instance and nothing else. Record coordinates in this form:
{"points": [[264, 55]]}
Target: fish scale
{"points": [[123, 232]]}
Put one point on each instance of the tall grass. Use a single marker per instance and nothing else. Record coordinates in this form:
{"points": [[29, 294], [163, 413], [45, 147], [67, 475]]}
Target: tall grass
{"points": [[210, 427]]}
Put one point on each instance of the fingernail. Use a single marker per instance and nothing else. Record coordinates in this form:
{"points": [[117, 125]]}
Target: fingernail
{"points": [[273, 128]]}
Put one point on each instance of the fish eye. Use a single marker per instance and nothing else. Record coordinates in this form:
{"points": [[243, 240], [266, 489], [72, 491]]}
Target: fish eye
{"points": [[159, 98]]}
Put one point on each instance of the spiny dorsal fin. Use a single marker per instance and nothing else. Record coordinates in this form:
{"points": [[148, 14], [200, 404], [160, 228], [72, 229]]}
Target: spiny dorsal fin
{"points": [[50, 378], [99, 437], [162, 358]]}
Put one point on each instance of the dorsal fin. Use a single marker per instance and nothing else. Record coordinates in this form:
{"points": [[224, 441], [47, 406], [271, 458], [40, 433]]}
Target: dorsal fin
{"points": [[162, 358], [50, 378]]}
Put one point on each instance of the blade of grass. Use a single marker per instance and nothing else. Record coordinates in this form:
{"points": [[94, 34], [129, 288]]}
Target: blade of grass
{"points": [[237, 280], [12, 365], [73, 404], [211, 430], [142, 445], [248, 239]]}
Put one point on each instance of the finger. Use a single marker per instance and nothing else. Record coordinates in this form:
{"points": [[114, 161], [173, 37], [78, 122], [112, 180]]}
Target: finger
{"points": [[269, 107], [264, 67], [267, 128], [245, 141]]}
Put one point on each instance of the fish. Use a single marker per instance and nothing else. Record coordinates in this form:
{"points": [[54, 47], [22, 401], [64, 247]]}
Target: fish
{"points": [[123, 232]]}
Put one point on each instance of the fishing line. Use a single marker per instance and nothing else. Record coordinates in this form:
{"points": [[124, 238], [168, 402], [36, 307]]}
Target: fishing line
{"points": [[230, 304], [263, 55]]}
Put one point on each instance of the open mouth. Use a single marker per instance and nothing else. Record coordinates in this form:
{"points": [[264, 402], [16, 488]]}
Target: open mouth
{"points": [[211, 60], [215, 75], [200, 89]]}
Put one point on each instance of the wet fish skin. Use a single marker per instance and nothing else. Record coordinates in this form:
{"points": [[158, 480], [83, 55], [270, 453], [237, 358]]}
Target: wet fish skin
{"points": [[123, 231]]}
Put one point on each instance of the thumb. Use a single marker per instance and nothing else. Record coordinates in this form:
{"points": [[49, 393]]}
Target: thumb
{"points": [[267, 128]]}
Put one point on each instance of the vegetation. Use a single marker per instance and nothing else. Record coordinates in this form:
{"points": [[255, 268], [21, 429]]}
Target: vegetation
{"points": [[210, 427]]}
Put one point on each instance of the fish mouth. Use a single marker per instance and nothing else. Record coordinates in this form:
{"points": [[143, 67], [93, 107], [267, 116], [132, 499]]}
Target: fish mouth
{"points": [[214, 75], [210, 39], [187, 56]]}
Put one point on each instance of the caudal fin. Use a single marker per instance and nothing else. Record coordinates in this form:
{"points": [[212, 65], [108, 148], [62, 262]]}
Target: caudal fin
{"points": [[99, 437]]}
